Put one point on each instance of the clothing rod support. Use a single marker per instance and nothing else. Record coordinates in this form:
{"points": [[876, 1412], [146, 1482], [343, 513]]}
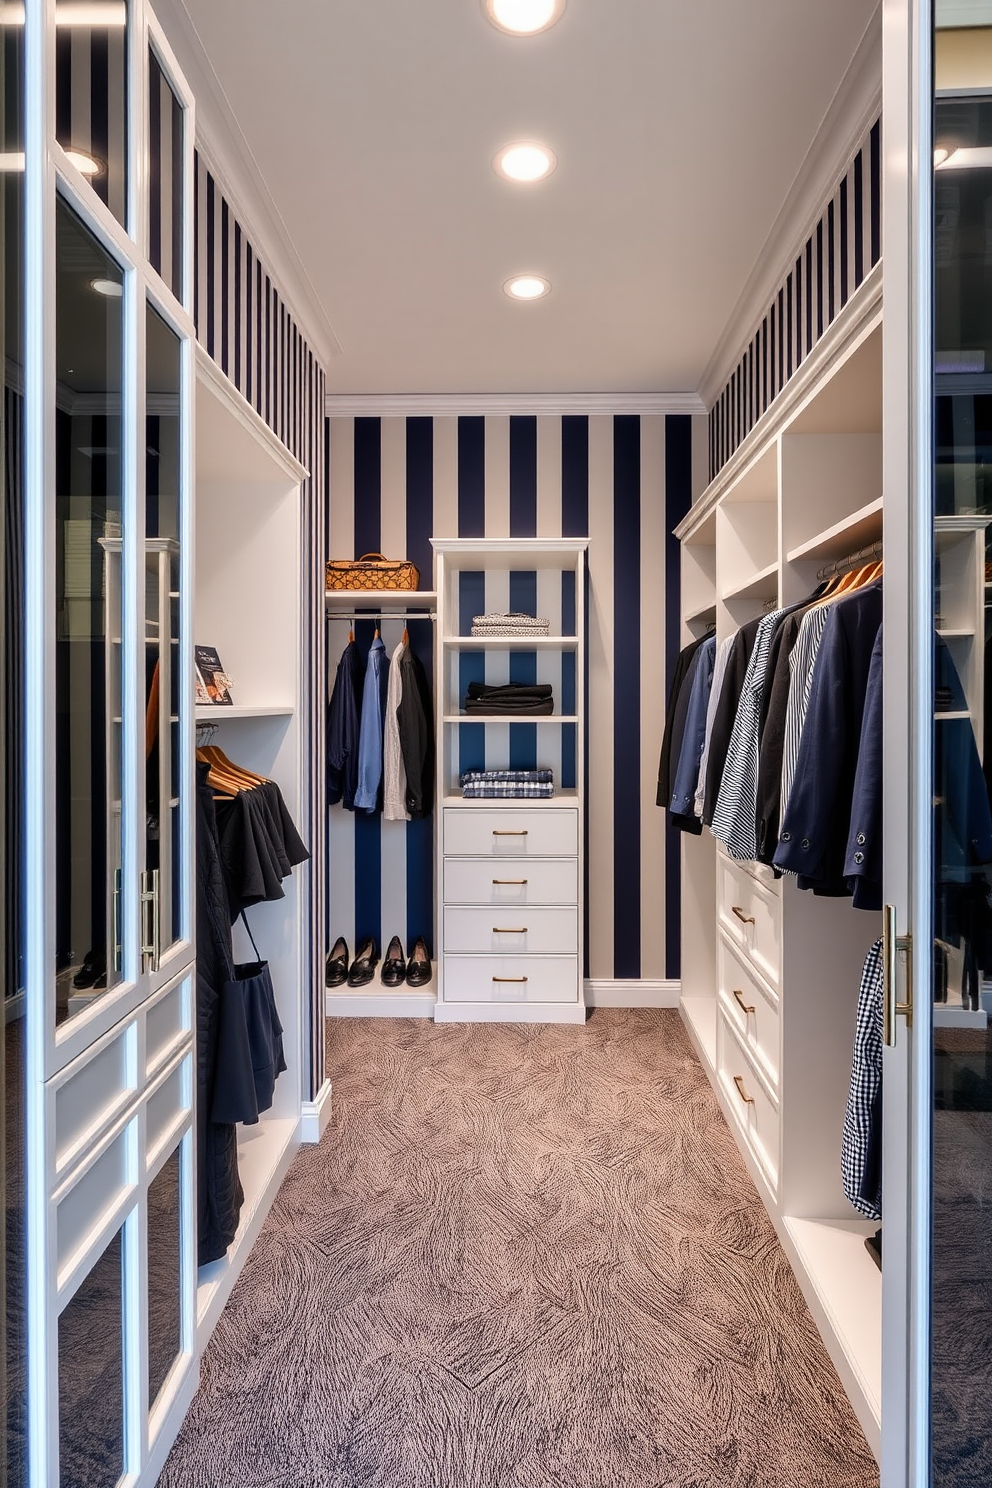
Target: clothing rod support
{"points": [[863, 555]]}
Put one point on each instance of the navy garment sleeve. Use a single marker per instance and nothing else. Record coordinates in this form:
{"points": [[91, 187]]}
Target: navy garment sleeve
{"points": [[863, 859], [693, 738]]}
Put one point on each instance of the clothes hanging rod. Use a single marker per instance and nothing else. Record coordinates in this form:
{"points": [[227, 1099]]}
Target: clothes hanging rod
{"points": [[863, 555], [379, 615]]}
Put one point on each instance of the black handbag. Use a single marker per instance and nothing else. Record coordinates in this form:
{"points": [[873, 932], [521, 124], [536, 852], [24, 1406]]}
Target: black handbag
{"points": [[250, 1053]]}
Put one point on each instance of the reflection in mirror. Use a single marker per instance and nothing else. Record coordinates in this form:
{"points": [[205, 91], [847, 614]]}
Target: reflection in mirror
{"points": [[164, 1276], [91, 1377], [962, 955], [88, 681], [91, 95], [164, 707], [13, 1308], [165, 178]]}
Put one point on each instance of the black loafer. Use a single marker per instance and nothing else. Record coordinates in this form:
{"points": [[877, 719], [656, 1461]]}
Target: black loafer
{"points": [[418, 969], [393, 972], [336, 973], [93, 972], [364, 965]]}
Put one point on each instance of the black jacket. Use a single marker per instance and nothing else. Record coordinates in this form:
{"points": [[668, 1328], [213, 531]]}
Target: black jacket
{"points": [[415, 719], [726, 713], [219, 1192], [343, 723], [682, 666]]}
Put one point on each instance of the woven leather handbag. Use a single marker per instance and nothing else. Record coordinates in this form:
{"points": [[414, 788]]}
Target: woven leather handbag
{"points": [[372, 571]]}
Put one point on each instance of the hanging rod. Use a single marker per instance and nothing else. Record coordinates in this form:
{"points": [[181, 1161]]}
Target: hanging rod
{"points": [[863, 555], [379, 615]]}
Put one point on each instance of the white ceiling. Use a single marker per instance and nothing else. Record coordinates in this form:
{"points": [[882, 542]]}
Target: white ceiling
{"points": [[679, 129]]}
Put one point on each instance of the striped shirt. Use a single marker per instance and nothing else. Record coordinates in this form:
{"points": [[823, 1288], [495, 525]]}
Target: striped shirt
{"points": [[735, 814], [801, 664], [719, 668]]}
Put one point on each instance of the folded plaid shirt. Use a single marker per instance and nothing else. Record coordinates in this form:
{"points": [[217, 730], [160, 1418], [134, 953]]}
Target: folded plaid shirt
{"points": [[508, 789], [542, 777]]}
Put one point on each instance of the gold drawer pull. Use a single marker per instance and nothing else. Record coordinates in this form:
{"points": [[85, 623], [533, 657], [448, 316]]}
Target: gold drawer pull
{"points": [[499, 930], [510, 979], [517, 832], [747, 1099], [744, 919], [748, 1007], [517, 883]]}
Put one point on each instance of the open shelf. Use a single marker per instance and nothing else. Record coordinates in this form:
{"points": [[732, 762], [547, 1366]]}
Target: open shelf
{"points": [[762, 585], [704, 612], [510, 643], [509, 718], [212, 713], [378, 601], [560, 798], [862, 527], [377, 1001], [958, 1017]]}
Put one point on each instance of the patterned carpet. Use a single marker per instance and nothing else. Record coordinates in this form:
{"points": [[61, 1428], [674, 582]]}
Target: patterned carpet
{"points": [[520, 1257]]}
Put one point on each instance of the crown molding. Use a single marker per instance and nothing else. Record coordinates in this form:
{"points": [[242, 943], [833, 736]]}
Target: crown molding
{"points": [[224, 149], [851, 110], [409, 405]]}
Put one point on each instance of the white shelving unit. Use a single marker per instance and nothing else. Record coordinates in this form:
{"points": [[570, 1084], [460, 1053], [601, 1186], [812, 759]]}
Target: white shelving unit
{"points": [[802, 491], [509, 871]]}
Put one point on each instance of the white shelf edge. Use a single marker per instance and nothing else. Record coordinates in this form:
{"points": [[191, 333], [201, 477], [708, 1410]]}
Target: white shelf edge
{"points": [[956, 635], [377, 1001], [509, 718], [955, 713], [208, 712], [835, 540], [700, 612], [371, 599], [959, 1017], [560, 798], [504, 643], [753, 587]]}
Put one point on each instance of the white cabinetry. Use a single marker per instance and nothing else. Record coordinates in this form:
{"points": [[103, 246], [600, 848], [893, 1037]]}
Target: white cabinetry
{"points": [[509, 872]]}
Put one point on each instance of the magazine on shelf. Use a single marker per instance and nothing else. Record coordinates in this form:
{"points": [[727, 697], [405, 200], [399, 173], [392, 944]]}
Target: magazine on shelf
{"points": [[213, 685]]}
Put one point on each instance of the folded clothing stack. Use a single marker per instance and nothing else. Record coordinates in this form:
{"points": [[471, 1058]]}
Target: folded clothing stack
{"points": [[510, 625], [533, 784], [512, 699]]}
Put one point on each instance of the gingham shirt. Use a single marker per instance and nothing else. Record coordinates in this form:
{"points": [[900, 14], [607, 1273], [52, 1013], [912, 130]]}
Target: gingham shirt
{"points": [[863, 1102], [734, 817]]}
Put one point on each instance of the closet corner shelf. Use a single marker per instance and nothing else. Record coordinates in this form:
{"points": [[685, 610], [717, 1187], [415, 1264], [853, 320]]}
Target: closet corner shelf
{"points": [[958, 1017], [762, 585], [947, 717], [510, 643], [346, 602], [509, 718], [376, 1001], [950, 634], [850, 533], [211, 713], [701, 612]]}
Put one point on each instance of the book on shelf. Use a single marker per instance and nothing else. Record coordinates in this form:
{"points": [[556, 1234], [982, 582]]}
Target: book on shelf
{"points": [[213, 684]]}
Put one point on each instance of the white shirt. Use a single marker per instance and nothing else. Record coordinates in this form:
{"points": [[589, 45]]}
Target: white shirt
{"points": [[394, 773]]}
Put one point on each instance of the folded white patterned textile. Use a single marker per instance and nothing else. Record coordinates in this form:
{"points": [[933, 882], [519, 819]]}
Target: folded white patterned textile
{"points": [[510, 625]]}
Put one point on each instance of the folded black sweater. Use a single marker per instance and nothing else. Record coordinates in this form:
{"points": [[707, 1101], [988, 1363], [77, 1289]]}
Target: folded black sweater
{"points": [[510, 699]]}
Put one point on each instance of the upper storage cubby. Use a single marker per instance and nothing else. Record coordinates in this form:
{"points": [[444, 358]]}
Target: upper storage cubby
{"points": [[747, 535]]}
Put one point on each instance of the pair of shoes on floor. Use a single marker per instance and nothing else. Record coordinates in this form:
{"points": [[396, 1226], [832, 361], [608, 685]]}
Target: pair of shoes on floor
{"points": [[93, 972], [396, 970]]}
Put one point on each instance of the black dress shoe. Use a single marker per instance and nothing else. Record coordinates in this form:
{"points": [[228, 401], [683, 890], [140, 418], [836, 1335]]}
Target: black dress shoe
{"points": [[93, 972], [336, 973], [393, 972], [364, 965], [418, 969]]}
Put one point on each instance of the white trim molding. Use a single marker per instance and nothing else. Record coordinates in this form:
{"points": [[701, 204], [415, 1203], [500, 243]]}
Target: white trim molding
{"points": [[382, 405], [854, 106], [315, 1115], [636, 993]]}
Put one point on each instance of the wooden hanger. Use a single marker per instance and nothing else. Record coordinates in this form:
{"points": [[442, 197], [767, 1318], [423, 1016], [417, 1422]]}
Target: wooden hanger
{"points": [[216, 756]]}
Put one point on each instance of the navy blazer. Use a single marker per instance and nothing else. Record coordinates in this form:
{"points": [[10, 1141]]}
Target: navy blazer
{"points": [[863, 860], [963, 820], [813, 838]]}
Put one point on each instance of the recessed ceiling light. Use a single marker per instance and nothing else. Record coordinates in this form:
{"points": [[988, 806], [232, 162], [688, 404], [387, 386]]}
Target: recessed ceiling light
{"points": [[87, 165], [527, 287], [112, 289], [523, 17], [525, 161]]}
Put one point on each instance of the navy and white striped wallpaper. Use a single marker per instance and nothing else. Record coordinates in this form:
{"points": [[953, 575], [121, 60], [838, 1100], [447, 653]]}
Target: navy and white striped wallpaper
{"points": [[623, 481], [246, 326], [166, 159], [842, 249]]}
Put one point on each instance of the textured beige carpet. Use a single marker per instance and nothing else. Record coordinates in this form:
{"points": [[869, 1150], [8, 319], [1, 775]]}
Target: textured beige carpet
{"points": [[520, 1257]]}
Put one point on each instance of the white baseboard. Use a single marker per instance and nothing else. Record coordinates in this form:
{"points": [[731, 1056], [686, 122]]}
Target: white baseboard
{"points": [[316, 1114], [15, 1007], [636, 993]]}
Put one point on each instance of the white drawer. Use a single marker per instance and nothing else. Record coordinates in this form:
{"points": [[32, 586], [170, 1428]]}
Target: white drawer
{"points": [[552, 832], [510, 979], [751, 914], [541, 932], [755, 1112], [750, 1009], [513, 881]]}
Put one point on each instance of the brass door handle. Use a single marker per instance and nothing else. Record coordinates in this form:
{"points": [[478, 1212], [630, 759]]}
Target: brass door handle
{"points": [[517, 883], [739, 995], [744, 919], [747, 1099], [509, 979], [505, 832], [500, 930], [892, 945]]}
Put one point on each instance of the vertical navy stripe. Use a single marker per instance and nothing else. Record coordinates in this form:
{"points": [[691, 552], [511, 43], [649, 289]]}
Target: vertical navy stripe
{"points": [[875, 155], [259, 312], [569, 698], [249, 323], [271, 351], [178, 184], [368, 485], [764, 361], [627, 681], [471, 667], [225, 286], [859, 218], [523, 475], [788, 318], [574, 475], [843, 243], [523, 667], [238, 301], [678, 498], [808, 319], [781, 340], [100, 116], [211, 275], [367, 517], [154, 163], [196, 242], [63, 86], [471, 477], [831, 260], [819, 279]]}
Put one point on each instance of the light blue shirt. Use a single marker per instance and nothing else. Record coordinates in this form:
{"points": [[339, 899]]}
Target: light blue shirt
{"points": [[370, 733]]}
